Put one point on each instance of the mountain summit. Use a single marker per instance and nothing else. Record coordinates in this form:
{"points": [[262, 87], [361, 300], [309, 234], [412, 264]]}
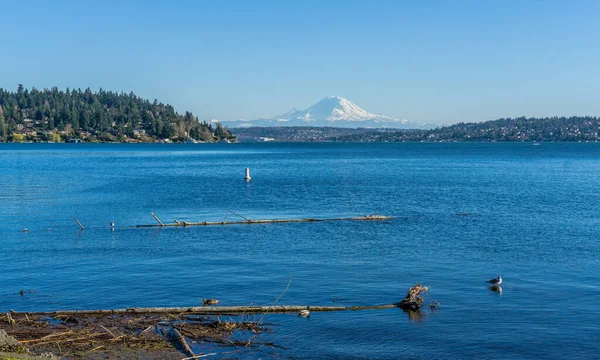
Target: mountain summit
{"points": [[331, 111]]}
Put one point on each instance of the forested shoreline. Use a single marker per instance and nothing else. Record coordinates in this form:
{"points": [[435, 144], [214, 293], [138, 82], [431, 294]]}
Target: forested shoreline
{"points": [[553, 129], [82, 115]]}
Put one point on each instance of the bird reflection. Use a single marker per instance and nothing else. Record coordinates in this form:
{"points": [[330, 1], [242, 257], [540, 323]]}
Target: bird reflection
{"points": [[497, 289]]}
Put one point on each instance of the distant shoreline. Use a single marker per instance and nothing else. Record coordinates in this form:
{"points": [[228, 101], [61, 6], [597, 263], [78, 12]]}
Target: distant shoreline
{"points": [[305, 142], [554, 129]]}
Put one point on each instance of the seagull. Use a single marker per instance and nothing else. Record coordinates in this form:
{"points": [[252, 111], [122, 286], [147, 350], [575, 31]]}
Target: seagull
{"points": [[304, 313], [496, 281]]}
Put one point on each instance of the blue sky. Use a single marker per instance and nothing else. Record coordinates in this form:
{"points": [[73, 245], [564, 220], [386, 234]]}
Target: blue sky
{"points": [[426, 61]]}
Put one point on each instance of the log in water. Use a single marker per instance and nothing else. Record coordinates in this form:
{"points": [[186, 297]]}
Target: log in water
{"points": [[265, 221], [211, 310]]}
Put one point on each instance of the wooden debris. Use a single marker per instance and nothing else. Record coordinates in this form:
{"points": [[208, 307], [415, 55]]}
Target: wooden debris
{"points": [[175, 336], [413, 300], [264, 221], [107, 332], [78, 223], [212, 310], [9, 319], [158, 220], [199, 356], [127, 336]]}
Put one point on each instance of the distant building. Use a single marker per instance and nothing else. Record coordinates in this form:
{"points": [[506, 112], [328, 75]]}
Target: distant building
{"points": [[265, 139], [139, 132], [74, 141]]}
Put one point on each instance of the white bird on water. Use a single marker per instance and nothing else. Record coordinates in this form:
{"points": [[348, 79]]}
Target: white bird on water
{"points": [[495, 282]]}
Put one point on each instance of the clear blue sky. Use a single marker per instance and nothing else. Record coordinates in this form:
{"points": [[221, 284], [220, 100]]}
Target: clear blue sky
{"points": [[426, 61]]}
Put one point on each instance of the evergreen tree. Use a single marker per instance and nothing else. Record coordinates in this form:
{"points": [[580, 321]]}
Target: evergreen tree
{"points": [[2, 127], [75, 118]]}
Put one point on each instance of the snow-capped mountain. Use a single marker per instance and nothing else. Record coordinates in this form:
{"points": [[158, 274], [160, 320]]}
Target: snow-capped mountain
{"points": [[332, 111]]}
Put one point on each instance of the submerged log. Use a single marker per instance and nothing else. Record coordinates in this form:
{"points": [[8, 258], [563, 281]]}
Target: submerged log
{"points": [[264, 221]]}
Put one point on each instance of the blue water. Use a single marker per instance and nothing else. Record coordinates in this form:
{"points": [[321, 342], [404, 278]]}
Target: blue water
{"points": [[533, 218]]}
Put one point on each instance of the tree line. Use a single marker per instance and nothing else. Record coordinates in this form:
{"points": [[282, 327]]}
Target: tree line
{"points": [[574, 128], [104, 115]]}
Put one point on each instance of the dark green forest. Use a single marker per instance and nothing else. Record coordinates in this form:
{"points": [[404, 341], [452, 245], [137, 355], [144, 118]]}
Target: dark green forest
{"points": [[574, 128], [57, 115]]}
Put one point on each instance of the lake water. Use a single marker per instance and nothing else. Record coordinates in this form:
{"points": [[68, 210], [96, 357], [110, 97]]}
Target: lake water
{"points": [[533, 217]]}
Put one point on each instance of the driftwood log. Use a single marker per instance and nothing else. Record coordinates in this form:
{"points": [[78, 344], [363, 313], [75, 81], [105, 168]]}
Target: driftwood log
{"points": [[210, 310], [412, 301], [173, 335], [264, 221]]}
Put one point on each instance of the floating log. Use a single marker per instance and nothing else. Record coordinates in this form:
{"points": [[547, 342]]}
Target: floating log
{"points": [[265, 221], [412, 301], [210, 310], [236, 214]]}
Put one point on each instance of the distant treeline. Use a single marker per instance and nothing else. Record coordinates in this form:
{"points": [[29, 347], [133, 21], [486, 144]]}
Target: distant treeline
{"points": [[293, 133], [575, 128], [102, 115]]}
